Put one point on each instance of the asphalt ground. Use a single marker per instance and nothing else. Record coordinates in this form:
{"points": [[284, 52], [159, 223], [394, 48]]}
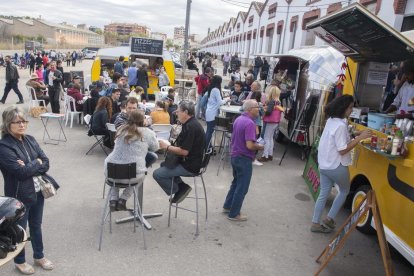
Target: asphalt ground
{"points": [[274, 241]]}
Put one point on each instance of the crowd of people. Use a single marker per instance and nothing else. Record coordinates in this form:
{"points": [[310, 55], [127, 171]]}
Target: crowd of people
{"points": [[123, 104]]}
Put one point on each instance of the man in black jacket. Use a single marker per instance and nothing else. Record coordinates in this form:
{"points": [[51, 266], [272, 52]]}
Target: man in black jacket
{"points": [[12, 81], [53, 80], [142, 76]]}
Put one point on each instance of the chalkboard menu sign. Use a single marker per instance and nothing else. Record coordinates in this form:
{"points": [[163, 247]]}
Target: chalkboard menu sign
{"points": [[146, 46]]}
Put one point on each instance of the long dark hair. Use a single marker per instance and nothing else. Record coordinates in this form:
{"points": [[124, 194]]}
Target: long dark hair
{"points": [[337, 108], [215, 82]]}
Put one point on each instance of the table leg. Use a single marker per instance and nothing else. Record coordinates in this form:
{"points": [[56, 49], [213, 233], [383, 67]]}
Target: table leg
{"points": [[145, 216]]}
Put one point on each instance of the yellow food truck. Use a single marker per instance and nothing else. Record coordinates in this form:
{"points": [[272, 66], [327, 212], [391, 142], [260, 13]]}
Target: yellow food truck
{"points": [[141, 50], [370, 46]]}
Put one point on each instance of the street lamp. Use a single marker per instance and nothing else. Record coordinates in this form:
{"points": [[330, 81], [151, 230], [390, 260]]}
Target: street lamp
{"points": [[187, 25]]}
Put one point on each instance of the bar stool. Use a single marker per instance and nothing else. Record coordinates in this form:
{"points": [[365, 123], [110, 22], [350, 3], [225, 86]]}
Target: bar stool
{"points": [[226, 146], [120, 176], [222, 124], [204, 164]]}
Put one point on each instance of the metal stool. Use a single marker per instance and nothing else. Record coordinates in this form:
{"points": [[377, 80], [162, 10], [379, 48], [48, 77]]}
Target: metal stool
{"points": [[116, 173], [204, 164], [222, 125]]}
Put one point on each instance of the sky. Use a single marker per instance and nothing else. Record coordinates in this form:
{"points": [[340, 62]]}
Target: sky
{"points": [[160, 16]]}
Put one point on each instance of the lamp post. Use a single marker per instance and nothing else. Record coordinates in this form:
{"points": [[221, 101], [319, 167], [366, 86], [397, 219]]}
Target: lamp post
{"points": [[187, 25]]}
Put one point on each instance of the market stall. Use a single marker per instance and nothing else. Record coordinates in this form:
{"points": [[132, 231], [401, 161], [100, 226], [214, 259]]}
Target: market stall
{"points": [[385, 163]]}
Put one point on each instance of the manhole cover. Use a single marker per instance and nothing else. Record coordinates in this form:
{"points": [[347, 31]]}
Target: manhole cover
{"points": [[302, 197]]}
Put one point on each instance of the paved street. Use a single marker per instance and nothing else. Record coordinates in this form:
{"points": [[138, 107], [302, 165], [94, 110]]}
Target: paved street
{"points": [[274, 241]]}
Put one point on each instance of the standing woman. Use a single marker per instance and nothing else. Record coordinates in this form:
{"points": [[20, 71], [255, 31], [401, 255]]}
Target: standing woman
{"points": [[334, 157], [21, 160], [163, 79], [271, 121], [214, 102]]}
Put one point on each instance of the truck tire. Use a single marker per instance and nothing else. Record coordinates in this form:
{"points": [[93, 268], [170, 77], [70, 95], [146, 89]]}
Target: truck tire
{"points": [[364, 224]]}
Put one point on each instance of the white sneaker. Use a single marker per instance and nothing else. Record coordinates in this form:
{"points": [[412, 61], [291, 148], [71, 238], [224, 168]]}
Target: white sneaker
{"points": [[257, 163]]}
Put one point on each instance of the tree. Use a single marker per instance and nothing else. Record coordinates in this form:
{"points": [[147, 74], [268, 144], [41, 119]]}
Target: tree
{"points": [[169, 43]]}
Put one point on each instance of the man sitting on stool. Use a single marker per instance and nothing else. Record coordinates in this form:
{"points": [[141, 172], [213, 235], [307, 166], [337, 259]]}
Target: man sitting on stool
{"points": [[189, 146]]}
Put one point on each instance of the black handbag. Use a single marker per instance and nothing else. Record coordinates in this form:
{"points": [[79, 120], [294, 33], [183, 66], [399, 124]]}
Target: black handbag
{"points": [[172, 160]]}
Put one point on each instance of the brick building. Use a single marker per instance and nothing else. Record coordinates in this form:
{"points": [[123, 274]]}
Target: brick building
{"points": [[127, 29]]}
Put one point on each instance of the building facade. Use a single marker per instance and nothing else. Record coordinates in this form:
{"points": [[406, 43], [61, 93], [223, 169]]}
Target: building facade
{"points": [[276, 26], [179, 33], [160, 36], [127, 29], [59, 35]]}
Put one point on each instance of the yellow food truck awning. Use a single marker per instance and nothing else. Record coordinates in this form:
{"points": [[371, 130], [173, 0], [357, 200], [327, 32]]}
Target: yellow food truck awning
{"points": [[360, 35]]}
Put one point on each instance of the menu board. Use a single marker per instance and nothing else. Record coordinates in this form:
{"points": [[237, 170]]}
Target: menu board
{"points": [[146, 46]]}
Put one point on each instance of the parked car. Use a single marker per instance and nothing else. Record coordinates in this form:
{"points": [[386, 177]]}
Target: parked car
{"points": [[90, 54]]}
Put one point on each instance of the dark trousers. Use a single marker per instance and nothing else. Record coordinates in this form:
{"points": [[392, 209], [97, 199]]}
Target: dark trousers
{"points": [[73, 62], [68, 62], [145, 96], [33, 215], [9, 86], [54, 94]]}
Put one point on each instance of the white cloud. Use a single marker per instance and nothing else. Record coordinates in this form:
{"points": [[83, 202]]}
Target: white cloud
{"points": [[160, 16]]}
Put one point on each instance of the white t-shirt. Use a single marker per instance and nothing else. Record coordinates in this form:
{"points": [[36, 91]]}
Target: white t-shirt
{"points": [[404, 95], [51, 74], [334, 138]]}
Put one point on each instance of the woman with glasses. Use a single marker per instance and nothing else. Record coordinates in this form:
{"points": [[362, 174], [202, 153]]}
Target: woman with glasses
{"points": [[21, 160]]}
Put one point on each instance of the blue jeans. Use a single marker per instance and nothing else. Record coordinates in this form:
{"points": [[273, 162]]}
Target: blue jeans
{"points": [[164, 176], [150, 158], [242, 173], [33, 215], [209, 132], [328, 178]]}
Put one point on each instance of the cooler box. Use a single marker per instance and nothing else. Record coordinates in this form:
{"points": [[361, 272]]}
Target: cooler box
{"points": [[377, 120]]}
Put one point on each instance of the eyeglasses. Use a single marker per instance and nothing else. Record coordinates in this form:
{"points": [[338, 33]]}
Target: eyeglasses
{"points": [[20, 123]]}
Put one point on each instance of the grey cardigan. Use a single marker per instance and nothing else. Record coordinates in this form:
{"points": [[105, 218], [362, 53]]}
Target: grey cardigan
{"points": [[134, 151]]}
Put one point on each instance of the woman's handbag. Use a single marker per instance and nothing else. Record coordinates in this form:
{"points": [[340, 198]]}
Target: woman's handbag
{"points": [[46, 187]]}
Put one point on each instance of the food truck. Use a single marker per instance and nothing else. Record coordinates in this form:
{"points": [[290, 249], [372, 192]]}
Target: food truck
{"points": [[306, 74], [370, 45], [141, 50]]}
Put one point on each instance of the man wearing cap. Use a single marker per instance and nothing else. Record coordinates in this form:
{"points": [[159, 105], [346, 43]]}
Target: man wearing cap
{"points": [[39, 87], [12, 80]]}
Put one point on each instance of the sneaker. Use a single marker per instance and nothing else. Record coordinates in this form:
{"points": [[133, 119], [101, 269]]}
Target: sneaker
{"points": [[113, 205], [20, 102], [121, 205], [238, 218], [44, 263], [263, 159], [270, 158], [257, 163], [329, 223], [182, 193], [320, 229]]}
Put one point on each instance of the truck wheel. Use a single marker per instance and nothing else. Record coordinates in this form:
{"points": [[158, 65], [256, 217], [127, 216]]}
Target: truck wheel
{"points": [[364, 224]]}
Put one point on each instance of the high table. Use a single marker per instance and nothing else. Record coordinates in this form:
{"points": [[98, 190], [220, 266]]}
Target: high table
{"points": [[45, 117], [234, 109], [12, 255]]}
